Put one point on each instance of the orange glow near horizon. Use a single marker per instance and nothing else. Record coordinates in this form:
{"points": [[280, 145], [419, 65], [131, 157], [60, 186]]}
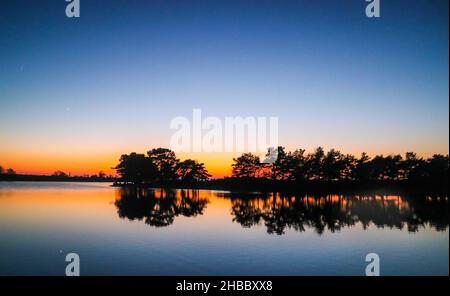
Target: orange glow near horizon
{"points": [[40, 163], [44, 164]]}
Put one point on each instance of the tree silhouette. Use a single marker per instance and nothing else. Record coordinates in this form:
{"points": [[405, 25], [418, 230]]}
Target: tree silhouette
{"points": [[246, 165], [136, 168], [314, 168], [166, 163], [9, 171], [349, 163], [298, 165], [362, 168], [159, 166], [60, 174], [288, 165], [333, 165], [191, 170], [386, 168], [437, 168]]}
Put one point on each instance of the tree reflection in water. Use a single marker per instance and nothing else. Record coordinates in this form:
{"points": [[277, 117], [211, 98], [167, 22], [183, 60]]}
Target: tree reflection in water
{"points": [[334, 212], [278, 212], [158, 207]]}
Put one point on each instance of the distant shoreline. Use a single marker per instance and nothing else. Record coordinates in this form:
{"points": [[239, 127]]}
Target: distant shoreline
{"points": [[49, 178]]}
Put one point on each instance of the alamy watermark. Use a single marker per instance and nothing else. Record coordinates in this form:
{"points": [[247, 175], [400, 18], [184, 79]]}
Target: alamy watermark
{"points": [[228, 134], [73, 268], [73, 8], [373, 268], [373, 8]]}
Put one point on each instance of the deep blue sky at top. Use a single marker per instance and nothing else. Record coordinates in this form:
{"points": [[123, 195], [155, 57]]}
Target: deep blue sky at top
{"points": [[120, 72]]}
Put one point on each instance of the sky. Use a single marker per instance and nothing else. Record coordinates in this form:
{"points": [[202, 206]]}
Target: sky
{"points": [[76, 93]]}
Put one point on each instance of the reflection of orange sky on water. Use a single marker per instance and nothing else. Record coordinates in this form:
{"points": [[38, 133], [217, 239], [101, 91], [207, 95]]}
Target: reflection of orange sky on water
{"points": [[89, 207], [94, 201], [94, 210], [45, 205]]}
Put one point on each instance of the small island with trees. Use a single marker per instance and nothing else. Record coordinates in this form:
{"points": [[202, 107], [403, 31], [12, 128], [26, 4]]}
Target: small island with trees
{"points": [[296, 170], [291, 171]]}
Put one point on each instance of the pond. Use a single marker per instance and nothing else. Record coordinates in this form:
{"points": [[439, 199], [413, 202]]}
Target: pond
{"points": [[124, 231]]}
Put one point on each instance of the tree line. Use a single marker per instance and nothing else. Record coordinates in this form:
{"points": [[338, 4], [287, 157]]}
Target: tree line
{"points": [[334, 166], [160, 166], [9, 171], [11, 175]]}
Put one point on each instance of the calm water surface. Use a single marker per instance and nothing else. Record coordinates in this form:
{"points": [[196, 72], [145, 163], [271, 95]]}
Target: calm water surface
{"points": [[202, 232]]}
